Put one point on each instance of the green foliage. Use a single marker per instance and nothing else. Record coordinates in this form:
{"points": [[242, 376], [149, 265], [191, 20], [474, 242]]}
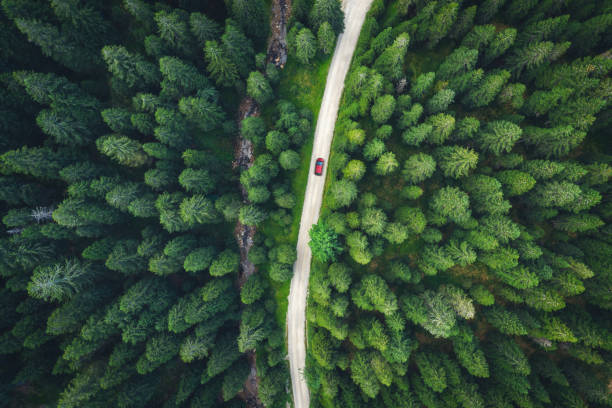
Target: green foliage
{"points": [[326, 38], [324, 242], [440, 101], [383, 108], [460, 61], [258, 87], [119, 270], [452, 203], [305, 45], [252, 17], [386, 164], [289, 160], [342, 193], [132, 69], [502, 41], [487, 89], [220, 66], [479, 37], [327, 11], [59, 281], [391, 60], [122, 149], [455, 161], [226, 262], [422, 84], [418, 167], [499, 136], [354, 170], [432, 371]]}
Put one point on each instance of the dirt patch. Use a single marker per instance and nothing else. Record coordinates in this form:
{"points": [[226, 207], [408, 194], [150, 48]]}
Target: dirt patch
{"points": [[244, 235], [243, 159], [249, 393], [277, 46]]}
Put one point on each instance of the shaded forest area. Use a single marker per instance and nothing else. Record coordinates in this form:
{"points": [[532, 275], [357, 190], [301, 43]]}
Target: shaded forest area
{"points": [[463, 256], [118, 263]]}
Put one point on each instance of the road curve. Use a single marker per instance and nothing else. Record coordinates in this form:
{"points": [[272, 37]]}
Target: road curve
{"points": [[355, 12]]}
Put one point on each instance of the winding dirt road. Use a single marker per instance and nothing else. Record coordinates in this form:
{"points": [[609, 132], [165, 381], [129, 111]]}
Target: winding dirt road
{"points": [[355, 12]]}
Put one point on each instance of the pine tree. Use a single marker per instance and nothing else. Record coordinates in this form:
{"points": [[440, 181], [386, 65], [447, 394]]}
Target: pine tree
{"points": [[440, 101], [122, 149], [451, 202], [342, 193], [553, 142], [512, 95], [479, 37], [488, 9], [305, 46], [540, 102], [59, 281], [238, 48], [422, 84], [383, 108], [460, 61], [432, 371], [502, 41], [455, 161], [220, 66], [533, 56], [327, 10], [58, 45], [354, 170], [545, 29], [442, 127], [173, 28], [578, 223], [141, 11], [326, 38], [442, 22], [259, 88], [198, 210], [252, 215], [251, 16], [418, 167], [518, 9], [132, 69], [499, 136], [289, 160], [464, 22], [487, 194], [466, 128], [486, 91], [390, 63]]}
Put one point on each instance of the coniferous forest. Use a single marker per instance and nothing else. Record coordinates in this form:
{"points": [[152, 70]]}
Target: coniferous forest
{"points": [[151, 186], [120, 197], [464, 249]]}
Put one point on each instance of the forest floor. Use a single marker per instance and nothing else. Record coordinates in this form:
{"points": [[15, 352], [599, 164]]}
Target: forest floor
{"points": [[355, 12]]}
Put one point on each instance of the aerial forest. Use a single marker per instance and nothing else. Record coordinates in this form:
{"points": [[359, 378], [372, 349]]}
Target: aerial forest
{"points": [[123, 204], [153, 162], [463, 256]]}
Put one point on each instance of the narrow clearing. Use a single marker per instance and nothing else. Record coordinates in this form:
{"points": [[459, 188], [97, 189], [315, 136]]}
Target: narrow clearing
{"points": [[355, 12]]}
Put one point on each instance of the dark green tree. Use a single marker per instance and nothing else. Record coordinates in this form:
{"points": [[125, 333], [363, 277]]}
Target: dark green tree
{"points": [[259, 88], [327, 11], [252, 17]]}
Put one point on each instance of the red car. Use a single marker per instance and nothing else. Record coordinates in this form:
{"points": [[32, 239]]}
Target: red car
{"points": [[319, 166]]}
